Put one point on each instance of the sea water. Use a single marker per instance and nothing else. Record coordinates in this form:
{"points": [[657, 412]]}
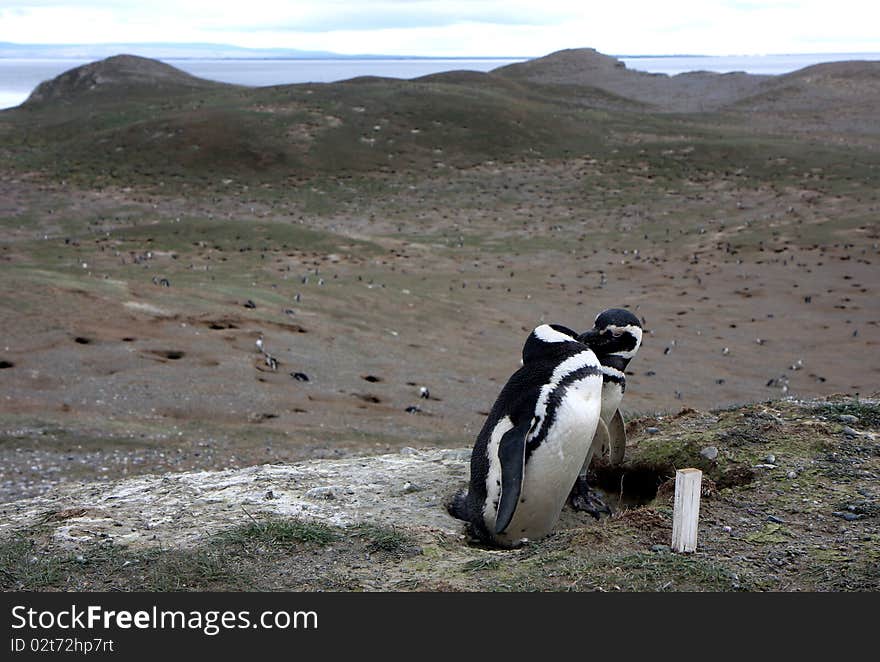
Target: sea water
{"points": [[18, 77]]}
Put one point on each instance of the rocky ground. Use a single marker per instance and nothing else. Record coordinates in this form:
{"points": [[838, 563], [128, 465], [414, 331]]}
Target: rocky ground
{"points": [[790, 502]]}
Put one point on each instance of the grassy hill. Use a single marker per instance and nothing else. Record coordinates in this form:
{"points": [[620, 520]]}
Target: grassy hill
{"points": [[133, 120]]}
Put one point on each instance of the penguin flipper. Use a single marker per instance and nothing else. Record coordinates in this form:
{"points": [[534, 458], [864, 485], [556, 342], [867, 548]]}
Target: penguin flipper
{"points": [[616, 439], [601, 440], [511, 453]]}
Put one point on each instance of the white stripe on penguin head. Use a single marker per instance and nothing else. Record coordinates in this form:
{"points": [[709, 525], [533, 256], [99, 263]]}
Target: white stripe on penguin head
{"points": [[547, 333]]}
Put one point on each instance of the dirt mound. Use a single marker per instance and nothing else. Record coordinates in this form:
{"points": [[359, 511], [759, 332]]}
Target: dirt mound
{"points": [[115, 72]]}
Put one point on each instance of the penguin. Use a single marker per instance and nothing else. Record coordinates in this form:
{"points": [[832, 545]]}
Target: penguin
{"points": [[532, 445], [615, 339]]}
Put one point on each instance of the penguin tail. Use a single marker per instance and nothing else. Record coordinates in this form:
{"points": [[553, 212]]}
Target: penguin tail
{"points": [[456, 505]]}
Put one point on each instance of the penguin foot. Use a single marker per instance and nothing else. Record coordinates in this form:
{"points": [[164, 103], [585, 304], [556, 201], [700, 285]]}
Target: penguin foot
{"points": [[456, 505], [583, 498]]}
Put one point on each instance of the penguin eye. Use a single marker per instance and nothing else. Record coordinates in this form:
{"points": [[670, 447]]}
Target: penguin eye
{"points": [[616, 333]]}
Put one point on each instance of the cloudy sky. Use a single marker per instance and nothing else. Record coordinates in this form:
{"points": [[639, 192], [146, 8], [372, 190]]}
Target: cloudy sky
{"points": [[459, 28]]}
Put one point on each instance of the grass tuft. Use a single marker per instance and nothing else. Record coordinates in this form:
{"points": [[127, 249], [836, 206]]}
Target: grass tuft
{"points": [[384, 538], [276, 531]]}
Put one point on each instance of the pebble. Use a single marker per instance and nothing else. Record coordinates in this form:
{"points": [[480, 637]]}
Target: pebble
{"points": [[849, 517], [792, 474], [775, 520], [727, 529], [408, 450], [660, 548], [456, 456], [849, 432], [770, 459], [652, 430], [848, 418], [710, 453], [324, 492]]}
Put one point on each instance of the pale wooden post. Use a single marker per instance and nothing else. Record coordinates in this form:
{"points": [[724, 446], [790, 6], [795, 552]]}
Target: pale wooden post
{"points": [[687, 509]]}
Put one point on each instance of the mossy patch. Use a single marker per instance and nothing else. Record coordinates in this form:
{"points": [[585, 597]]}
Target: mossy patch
{"points": [[770, 534]]}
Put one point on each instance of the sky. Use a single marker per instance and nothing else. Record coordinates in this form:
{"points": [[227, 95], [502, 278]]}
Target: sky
{"points": [[459, 28]]}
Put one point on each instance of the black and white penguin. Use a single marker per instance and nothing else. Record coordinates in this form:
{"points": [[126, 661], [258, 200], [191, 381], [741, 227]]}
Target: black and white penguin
{"points": [[615, 339], [532, 446]]}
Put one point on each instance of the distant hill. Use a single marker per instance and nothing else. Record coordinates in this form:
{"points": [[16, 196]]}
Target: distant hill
{"points": [[128, 114], [585, 67], [129, 118], [114, 74], [834, 95]]}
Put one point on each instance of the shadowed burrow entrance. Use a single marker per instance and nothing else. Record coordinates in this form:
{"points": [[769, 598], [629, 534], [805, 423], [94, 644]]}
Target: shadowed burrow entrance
{"points": [[638, 483], [629, 486]]}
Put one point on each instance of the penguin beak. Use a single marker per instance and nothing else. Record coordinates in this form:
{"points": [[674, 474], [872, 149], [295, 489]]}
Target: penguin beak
{"points": [[592, 338]]}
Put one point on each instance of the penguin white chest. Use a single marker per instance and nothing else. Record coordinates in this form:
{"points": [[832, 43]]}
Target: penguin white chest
{"points": [[612, 395], [553, 466]]}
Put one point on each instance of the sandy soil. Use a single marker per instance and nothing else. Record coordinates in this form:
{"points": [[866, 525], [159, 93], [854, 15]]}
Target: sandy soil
{"points": [[747, 292]]}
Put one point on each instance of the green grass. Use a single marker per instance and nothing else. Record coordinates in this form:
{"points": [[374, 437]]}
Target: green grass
{"points": [[280, 533], [384, 538], [652, 571], [25, 567], [868, 413]]}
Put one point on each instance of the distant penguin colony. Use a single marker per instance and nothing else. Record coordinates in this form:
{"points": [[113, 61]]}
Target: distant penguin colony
{"points": [[532, 445], [552, 416]]}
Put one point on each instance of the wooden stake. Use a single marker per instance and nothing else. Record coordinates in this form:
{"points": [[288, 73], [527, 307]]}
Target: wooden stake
{"points": [[687, 509]]}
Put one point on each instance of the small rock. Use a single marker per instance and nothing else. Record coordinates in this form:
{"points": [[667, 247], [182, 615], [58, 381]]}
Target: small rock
{"points": [[770, 459], [660, 548], [269, 495], [652, 430], [849, 419], [727, 529], [324, 492], [775, 520], [710, 453], [792, 474], [849, 432], [456, 456], [408, 450], [849, 517]]}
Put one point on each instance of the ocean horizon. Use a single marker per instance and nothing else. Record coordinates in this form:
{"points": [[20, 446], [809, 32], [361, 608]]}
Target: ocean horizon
{"points": [[19, 76]]}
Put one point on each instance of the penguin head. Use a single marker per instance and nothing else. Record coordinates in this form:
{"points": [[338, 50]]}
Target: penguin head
{"points": [[616, 332], [546, 340]]}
